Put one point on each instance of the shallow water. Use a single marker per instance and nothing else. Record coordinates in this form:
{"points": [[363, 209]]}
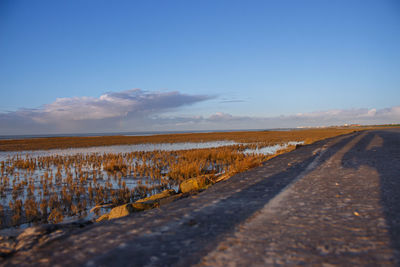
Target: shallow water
{"points": [[270, 150], [118, 149]]}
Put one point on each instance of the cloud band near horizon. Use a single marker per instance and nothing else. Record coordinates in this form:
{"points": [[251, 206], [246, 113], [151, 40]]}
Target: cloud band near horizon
{"points": [[138, 110]]}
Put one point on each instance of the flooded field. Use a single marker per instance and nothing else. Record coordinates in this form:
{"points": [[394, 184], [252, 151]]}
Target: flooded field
{"points": [[54, 185], [116, 149], [58, 185]]}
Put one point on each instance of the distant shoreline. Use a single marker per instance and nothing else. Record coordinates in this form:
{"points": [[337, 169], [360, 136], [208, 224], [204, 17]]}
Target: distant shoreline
{"points": [[144, 133], [151, 133]]}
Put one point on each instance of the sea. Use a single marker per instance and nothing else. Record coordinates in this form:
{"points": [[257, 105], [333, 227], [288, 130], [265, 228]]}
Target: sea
{"points": [[27, 136]]}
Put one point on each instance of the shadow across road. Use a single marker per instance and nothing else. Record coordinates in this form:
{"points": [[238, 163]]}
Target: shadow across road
{"points": [[381, 150]]}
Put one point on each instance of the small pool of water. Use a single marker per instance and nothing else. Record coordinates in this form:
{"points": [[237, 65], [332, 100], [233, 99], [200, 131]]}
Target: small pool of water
{"points": [[270, 150]]}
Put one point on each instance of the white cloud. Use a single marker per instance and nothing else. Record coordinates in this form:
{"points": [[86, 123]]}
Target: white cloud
{"points": [[388, 115], [123, 104], [109, 112], [359, 116], [224, 121], [220, 116], [138, 110]]}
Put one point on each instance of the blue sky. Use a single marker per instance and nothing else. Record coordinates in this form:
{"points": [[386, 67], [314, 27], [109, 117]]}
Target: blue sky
{"points": [[219, 64]]}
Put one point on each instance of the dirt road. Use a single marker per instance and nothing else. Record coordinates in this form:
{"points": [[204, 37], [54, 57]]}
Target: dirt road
{"points": [[336, 202]]}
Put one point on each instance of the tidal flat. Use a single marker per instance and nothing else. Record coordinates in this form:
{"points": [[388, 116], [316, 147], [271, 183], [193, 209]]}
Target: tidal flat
{"points": [[54, 180]]}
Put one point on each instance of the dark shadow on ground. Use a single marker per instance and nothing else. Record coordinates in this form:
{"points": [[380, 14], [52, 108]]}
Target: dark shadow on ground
{"points": [[187, 244], [381, 151]]}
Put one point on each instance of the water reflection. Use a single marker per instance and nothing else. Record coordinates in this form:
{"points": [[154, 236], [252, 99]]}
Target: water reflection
{"points": [[270, 150]]}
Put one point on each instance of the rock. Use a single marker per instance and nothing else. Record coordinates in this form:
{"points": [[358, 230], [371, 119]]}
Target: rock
{"points": [[223, 177], [147, 203], [52, 236], [98, 207], [7, 245], [126, 209], [33, 235], [30, 237], [120, 211], [192, 184], [103, 217], [165, 197], [6, 250], [189, 185], [141, 206], [164, 194]]}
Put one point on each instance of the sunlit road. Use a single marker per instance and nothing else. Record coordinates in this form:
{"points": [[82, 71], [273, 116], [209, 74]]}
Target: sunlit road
{"points": [[334, 202]]}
